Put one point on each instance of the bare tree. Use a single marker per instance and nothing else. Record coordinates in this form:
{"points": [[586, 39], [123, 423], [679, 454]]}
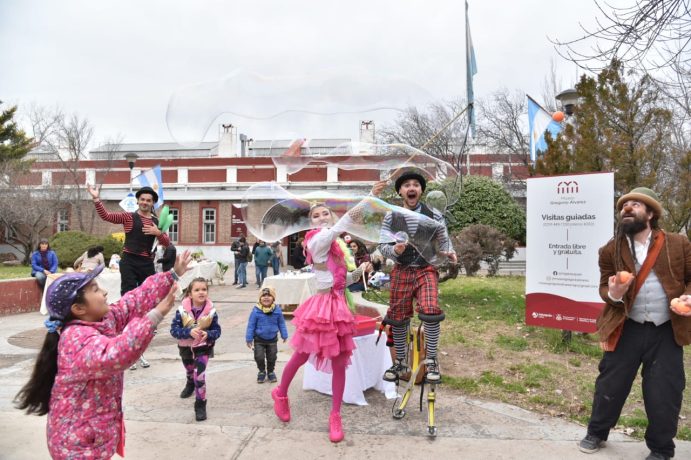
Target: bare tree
{"points": [[27, 211], [418, 129], [502, 127], [652, 34], [67, 140]]}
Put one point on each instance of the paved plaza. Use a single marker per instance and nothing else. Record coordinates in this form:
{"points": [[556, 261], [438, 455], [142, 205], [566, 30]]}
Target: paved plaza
{"points": [[241, 423]]}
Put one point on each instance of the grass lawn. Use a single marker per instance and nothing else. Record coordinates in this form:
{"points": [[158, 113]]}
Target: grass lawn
{"points": [[20, 271], [488, 352]]}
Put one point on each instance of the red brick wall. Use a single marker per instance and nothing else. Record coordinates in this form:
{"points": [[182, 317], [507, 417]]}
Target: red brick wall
{"points": [[19, 296], [189, 223], [206, 175], [358, 175], [309, 174], [257, 175]]}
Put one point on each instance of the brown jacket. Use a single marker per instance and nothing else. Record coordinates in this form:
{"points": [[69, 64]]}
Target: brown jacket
{"points": [[673, 269]]}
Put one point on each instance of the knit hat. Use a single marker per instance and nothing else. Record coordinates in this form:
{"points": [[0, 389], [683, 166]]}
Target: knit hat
{"points": [[62, 292], [412, 174], [644, 195], [267, 290]]}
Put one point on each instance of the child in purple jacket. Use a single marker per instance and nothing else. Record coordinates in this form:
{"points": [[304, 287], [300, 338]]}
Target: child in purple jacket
{"points": [[79, 372]]}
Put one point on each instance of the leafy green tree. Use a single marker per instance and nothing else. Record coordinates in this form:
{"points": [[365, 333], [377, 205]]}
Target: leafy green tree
{"points": [[14, 143], [623, 124], [619, 126], [484, 201]]}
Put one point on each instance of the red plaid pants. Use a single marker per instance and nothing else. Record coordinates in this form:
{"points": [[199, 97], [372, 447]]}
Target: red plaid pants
{"points": [[408, 283]]}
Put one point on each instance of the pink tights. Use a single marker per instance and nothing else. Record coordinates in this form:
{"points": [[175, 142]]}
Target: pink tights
{"points": [[338, 364]]}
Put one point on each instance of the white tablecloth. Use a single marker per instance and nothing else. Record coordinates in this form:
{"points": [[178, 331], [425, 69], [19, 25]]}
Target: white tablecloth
{"points": [[205, 269], [369, 361], [110, 280], [292, 289]]}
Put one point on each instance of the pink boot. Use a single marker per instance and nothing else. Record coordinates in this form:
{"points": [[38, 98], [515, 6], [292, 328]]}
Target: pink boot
{"points": [[335, 427], [281, 405]]}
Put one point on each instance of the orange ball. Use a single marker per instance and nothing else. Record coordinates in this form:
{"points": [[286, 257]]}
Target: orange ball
{"points": [[623, 277], [680, 306], [558, 116]]}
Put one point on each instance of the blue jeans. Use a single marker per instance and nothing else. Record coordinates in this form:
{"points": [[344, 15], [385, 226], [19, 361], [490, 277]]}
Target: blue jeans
{"points": [[261, 273], [242, 273], [275, 265], [40, 278]]}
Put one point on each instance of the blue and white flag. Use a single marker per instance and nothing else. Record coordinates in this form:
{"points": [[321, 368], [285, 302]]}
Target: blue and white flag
{"points": [[470, 71], [539, 121], [152, 178]]}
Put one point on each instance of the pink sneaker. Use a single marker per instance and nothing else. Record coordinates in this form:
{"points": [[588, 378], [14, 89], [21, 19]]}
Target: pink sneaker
{"points": [[335, 427], [281, 406]]}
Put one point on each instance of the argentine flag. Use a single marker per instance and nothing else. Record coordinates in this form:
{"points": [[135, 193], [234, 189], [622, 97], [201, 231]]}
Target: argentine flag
{"points": [[152, 178], [539, 121]]}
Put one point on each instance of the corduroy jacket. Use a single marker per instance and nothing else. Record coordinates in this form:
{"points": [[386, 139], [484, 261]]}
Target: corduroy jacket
{"points": [[673, 269]]}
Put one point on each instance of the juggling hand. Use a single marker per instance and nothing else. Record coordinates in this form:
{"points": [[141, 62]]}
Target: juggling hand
{"points": [[619, 284]]}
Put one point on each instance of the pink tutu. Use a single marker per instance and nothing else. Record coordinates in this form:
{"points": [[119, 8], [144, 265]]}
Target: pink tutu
{"points": [[324, 328]]}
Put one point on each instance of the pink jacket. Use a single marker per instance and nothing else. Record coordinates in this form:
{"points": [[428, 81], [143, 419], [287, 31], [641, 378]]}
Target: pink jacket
{"points": [[85, 417]]}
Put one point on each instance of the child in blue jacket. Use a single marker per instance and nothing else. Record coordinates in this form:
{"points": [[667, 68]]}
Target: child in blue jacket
{"points": [[266, 320]]}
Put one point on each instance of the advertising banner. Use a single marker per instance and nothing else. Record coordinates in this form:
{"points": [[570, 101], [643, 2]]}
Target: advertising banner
{"points": [[569, 219]]}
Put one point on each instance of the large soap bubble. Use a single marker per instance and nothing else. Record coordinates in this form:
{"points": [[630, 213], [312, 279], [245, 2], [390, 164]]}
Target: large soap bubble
{"points": [[272, 107], [390, 159], [271, 213]]}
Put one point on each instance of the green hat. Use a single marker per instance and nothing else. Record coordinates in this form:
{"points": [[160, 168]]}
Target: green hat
{"points": [[644, 195]]}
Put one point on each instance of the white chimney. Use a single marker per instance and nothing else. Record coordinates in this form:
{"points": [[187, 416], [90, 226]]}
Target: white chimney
{"points": [[367, 131], [228, 141]]}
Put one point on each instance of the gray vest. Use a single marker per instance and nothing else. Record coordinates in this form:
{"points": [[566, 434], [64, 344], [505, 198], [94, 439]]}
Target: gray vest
{"points": [[651, 303]]}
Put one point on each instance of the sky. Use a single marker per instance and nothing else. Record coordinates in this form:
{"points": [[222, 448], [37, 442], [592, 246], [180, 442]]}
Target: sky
{"points": [[160, 71]]}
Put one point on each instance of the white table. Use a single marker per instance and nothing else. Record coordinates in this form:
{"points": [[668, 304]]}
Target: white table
{"points": [[110, 280], [206, 269], [292, 288], [368, 364]]}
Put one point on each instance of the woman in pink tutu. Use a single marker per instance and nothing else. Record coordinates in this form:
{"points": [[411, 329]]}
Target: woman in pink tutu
{"points": [[324, 326]]}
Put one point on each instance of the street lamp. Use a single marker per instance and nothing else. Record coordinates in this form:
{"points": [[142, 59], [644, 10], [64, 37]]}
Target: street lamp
{"points": [[131, 158], [568, 99]]}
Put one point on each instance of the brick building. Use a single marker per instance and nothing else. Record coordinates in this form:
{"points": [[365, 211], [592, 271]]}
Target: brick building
{"points": [[204, 185]]}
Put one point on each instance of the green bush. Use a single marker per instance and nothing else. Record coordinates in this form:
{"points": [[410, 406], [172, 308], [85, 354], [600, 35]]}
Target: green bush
{"points": [[484, 201], [71, 244]]}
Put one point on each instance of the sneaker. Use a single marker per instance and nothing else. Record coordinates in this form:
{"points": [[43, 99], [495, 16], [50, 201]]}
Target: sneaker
{"points": [[281, 405], [144, 362], [133, 367], [656, 456], [335, 427], [432, 374], [241, 286], [272, 377], [590, 444], [261, 377], [396, 371]]}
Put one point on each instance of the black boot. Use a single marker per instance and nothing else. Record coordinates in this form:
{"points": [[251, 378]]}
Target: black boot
{"points": [[200, 409], [188, 390]]}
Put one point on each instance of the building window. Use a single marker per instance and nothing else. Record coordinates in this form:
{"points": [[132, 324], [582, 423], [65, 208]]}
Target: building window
{"points": [[173, 229], [63, 220], [209, 225]]}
